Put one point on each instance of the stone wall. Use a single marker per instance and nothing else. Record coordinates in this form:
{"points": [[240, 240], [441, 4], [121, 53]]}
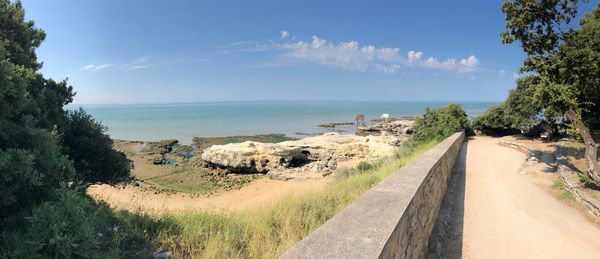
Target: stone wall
{"points": [[394, 219], [573, 184]]}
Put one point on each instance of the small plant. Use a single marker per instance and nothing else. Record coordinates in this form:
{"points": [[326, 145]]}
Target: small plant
{"points": [[566, 195], [364, 166], [558, 184]]}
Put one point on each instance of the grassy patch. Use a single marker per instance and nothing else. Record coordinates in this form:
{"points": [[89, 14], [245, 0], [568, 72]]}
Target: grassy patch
{"points": [[268, 232], [566, 196], [558, 184], [199, 180], [202, 143]]}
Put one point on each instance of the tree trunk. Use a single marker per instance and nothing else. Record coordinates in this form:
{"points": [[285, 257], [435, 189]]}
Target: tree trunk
{"points": [[591, 148]]}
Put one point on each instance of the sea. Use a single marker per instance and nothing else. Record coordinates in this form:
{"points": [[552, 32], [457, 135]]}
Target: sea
{"points": [[297, 119]]}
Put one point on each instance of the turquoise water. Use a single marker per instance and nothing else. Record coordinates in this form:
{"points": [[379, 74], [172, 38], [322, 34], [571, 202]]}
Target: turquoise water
{"points": [[184, 121]]}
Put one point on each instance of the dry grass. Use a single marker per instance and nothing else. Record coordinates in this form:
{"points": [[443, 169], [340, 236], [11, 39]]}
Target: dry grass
{"points": [[268, 232]]}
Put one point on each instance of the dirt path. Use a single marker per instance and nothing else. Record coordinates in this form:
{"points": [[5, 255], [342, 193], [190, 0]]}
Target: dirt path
{"points": [[492, 211], [261, 192]]}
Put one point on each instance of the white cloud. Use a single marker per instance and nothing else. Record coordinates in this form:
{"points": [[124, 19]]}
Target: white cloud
{"points": [[140, 62], [502, 73], [88, 67], [142, 66], [351, 55], [414, 56], [284, 34], [471, 61], [467, 65], [94, 68], [347, 55], [389, 69]]}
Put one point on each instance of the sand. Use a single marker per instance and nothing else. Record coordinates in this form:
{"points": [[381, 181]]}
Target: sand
{"points": [[258, 193]]}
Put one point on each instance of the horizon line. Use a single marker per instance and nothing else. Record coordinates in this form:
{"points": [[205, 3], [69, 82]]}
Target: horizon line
{"points": [[307, 100]]}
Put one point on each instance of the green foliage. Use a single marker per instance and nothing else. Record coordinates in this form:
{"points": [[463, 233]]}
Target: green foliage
{"points": [[564, 61], [574, 70], [494, 121], [438, 124], [538, 25], [19, 37], [85, 141], [61, 228], [31, 167], [74, 226], [520, 109], [364, 166], [558, 184], [40, 214], [566, 195]]}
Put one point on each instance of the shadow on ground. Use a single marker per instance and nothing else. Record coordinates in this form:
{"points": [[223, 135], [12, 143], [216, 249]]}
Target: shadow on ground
{"points": [[447, 237]]}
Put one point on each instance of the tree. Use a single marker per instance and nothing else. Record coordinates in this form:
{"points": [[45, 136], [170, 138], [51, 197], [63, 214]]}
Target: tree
{"points": [[33, 164], [519, 110], [564, 61], [438, 124], [85, 141]]}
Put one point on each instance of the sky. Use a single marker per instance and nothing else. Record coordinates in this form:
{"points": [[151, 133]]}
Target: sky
{"points": [[136, 51]]}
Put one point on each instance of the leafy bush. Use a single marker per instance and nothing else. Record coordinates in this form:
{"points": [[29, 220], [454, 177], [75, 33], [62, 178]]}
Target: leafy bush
{"points": [[31, 167], [75, 226], [518, 111], [364, 166], [60, 228], [495, 121], [94, 158], [438, 124]]}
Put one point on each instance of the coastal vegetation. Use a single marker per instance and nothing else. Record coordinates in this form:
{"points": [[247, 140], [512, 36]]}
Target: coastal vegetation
{"points": [[42, 207], [518, 111], [561, 70]]}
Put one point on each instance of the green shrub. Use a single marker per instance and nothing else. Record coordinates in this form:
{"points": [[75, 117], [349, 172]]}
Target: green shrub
{"points": [[31, 167], [91, 149], [72, 225], [438, 124], [364, 166], [517, 111], [61, 228]]}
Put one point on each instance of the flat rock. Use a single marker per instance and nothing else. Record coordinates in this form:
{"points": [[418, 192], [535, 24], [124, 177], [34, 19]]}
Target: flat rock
{"points": [[310, 157], [252, 157]]}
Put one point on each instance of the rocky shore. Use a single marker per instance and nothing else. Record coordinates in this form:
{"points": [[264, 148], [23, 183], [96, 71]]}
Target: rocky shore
{"points": [[311, 157], [395, 127], [276, 155], [334, 124]]}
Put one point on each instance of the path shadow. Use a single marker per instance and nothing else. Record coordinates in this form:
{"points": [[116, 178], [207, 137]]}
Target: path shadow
{"points": [[446, 240]]}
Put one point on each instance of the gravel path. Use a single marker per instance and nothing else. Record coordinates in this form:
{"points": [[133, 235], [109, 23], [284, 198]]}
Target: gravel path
{"points": [[491, 211]]}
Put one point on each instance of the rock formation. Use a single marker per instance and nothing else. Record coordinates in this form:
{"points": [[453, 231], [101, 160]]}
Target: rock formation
{"points": [[334, 124], [253, 157], [395, 127], [298, 159], [156, 152]]}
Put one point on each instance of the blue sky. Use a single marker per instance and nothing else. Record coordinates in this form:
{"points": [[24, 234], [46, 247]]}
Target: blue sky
{"points": [[194, 51]]}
